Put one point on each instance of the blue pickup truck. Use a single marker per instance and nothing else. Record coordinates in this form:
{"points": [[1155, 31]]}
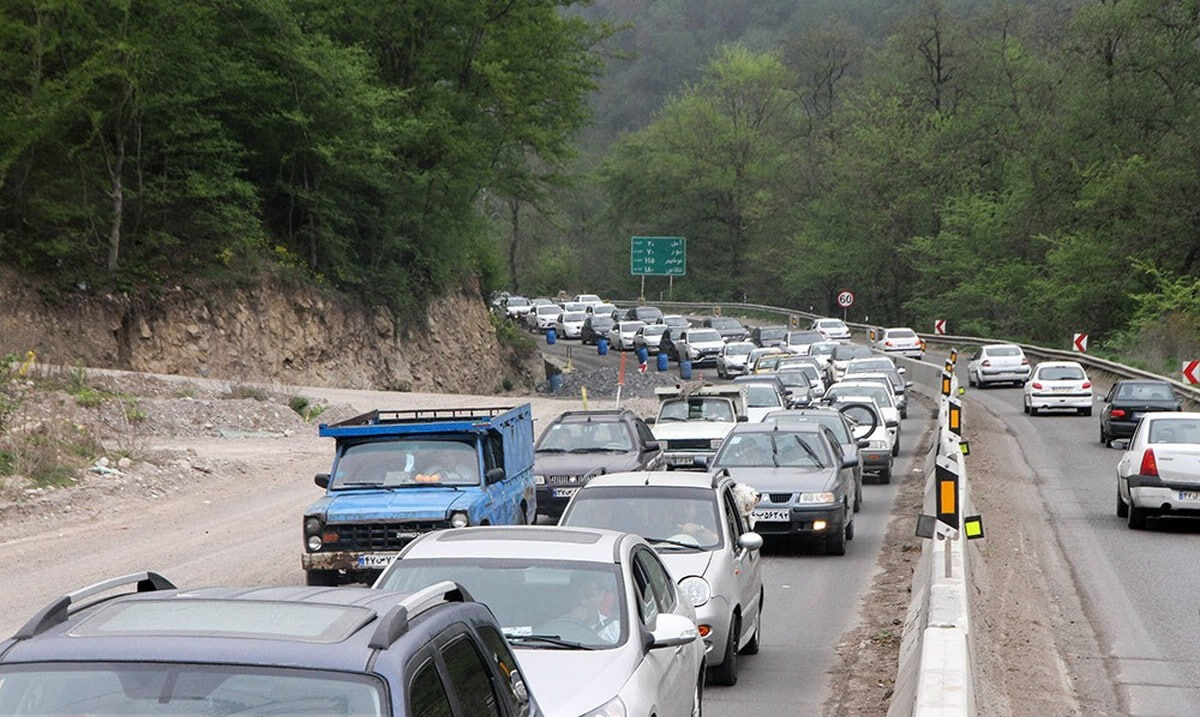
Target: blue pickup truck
{"points": [[397, 474]]}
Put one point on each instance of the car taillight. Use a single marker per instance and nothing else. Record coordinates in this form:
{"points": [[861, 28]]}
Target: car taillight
{"points": [[887, 343], [1118, 413], [1037, 385], [986, 363], [1024, 361], [1149, 464]]}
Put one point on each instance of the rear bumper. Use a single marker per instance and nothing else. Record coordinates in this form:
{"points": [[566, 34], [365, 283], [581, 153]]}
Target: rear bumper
{"points": [[686, 460], [1120, 429], [1012, 376], [876, 460], [915, 352], [1060, 400], [1162, 497]]}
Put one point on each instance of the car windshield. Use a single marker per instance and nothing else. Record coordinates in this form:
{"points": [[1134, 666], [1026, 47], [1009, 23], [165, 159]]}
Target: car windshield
{"points": [[671, 519], [128, 688], [1144, 392], [574, 316], [675, 321], [603, 309], [655, 330], [998, 351], [602, 322], [585, 437], [766, 449], [703, 335], [547, 604], [882, 395], [406, 463], [575, 306], [760, 395], [772, 333], [631, 327], [1060, 373], [1175, 430], [738, 349], [795, 362], [588, 299], [646, 313], [831, 421], [901, 334], [800, 338], [845, 353], [831, 324], [548, 309], [696, 408], [795, 377], [725, 323]]}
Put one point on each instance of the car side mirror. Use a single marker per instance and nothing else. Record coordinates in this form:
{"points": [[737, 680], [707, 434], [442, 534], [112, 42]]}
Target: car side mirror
{"points": [[671, 630], [849, 461], [494, 475], [902, 371], [908, 384], [743, 419], [750, 541], [322, 480], [862, 442], [652, 446]]}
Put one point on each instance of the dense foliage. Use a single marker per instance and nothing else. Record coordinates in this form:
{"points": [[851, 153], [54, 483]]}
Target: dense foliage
{"points": [[1023, 170], [357, 142]]}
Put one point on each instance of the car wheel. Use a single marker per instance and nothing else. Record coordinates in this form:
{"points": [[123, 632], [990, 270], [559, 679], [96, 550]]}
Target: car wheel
{"points": [[725, 674], [885, 475], [698, 697], [1087, 411], [1122, 506], [904, 412], [1025, 405], [755, 643], [1104, 439], [836, 544], [857, 498], [321, 578], [1137, 517], [1033, 411], [896, 447], [850, 530]]}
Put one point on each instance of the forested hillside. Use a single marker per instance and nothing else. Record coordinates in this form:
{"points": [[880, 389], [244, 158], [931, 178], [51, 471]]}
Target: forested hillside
{"points": [[1022, 169], [357, 144]]}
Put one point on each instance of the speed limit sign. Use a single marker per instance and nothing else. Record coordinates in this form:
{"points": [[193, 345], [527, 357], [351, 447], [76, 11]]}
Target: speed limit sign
{"points": [[845, 299]]}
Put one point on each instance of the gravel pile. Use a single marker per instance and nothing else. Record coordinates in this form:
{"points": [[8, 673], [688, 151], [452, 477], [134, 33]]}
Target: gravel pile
{"points": [[602, 382]]}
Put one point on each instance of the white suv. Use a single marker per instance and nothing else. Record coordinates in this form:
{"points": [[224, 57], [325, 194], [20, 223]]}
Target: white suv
{"points": [[1058, 384]]}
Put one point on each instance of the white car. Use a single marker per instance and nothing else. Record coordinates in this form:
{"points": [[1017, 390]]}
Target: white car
{"points": [[1159, 473], [823, 352], [867, 422], [831, 329], [587, 299], [594, 618], [699, 346], [1058, 384], [842, 356], [694, 523], [570, 324], [569, 306], [879, 393], [900, 342], [762, 398], [691, 425], [733, 358], [648, 337], [998, 363], [544, 317], [515, 307], [621, 335], [674, 321], [605, 310]]}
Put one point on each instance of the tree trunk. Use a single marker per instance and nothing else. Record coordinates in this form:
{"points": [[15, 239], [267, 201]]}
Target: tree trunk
{"points": [[117, 195], [514, 206]]}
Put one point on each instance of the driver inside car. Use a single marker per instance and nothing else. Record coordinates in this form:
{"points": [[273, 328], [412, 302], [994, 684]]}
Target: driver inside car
{"points": [[592, 601], [689, 525]]}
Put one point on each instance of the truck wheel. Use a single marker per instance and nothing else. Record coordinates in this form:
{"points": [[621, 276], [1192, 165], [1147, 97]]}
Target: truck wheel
{"points": [[321, 578]]}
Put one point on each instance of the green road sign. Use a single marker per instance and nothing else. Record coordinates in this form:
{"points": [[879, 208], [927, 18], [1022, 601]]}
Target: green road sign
{"points": [[658, 256]]}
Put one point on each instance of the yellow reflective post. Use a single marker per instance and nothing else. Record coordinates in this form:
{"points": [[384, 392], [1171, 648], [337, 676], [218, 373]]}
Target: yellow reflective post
{"points": [[955, 417], [947, 494], [949, 366], [973, 526], [945, 383], [583, 393], [954, 356]]}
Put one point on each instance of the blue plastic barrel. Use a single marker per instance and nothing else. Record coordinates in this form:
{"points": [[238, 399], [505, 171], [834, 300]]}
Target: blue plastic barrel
{"points": [[602, 346], [551, 336], [685, 370], [662, 361], [642, 354], [556, 382]]}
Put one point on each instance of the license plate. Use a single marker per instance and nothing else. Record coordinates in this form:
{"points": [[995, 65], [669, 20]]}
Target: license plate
{"points": [[768, 515], [1062, 388], [565, 492], [681, 460], [375, 560], [1189, 495]]}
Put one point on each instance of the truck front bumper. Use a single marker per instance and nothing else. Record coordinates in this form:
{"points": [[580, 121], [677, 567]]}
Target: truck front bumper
{"points": [[350, 561], [687, 460]]}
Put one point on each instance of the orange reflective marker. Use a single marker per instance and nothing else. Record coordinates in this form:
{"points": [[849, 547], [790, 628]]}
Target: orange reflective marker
{"points": [[955, 417], [945, 383], [946, 475], [947, 496]]}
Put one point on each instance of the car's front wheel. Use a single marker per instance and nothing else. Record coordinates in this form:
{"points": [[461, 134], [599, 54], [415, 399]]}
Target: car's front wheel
{"points": [[836, 544], [725, 674]]}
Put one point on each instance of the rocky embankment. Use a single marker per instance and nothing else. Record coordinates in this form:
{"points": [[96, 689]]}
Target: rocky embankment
{"points": [[271, 332]]}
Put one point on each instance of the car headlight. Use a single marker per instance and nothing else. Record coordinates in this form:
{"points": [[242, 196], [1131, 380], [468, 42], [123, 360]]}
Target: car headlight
{"points": [[696, 589], [716, 443], [539, 480], [823, 497], [878, 444], [613, 708], [459, 520]]}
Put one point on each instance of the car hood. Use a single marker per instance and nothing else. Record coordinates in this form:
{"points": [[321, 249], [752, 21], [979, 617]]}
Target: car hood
{"points": [[785, 480], [683, 563], [757, 414], [575, 682], [577, 464], [692, 429], [393, 505]]}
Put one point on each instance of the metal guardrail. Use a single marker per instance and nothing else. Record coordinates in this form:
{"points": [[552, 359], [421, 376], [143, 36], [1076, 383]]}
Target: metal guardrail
{"points": [[1113, 367]]}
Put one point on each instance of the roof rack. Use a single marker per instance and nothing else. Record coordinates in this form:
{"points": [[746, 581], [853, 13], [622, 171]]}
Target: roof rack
{"points": [[394, 622], [415, 415], [60, 609]]}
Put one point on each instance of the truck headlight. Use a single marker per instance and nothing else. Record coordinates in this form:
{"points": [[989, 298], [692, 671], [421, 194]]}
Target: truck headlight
{"points": [[539, 480], [822, 497], [696, 589], [459, 520], [314, 543], [716, 443], [312, 526]]}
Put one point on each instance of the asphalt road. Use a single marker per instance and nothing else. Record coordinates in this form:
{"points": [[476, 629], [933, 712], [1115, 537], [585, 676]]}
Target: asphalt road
{"points": [[1138, 588]]}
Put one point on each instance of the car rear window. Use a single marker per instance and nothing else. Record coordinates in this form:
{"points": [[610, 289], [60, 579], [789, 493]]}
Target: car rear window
{"points": [[1000, 351], [901, 334], [1175, 430], [845, 353], [1144, 392], [1060, 373], [772, 333]]}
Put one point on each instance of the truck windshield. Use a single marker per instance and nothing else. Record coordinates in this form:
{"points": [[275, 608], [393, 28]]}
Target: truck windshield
{"points": [[181, 689], [696, 409], [403, 463], [586, 437]]}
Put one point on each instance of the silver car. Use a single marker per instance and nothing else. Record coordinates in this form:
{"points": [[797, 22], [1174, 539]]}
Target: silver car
{"points": [[694, 523], [998, 363], [1159, 473], [593, 616], [733, 357]]}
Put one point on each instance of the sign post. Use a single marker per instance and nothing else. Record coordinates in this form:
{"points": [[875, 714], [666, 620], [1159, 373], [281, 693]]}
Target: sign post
{"points": [[845, 299], [657, 256]]}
